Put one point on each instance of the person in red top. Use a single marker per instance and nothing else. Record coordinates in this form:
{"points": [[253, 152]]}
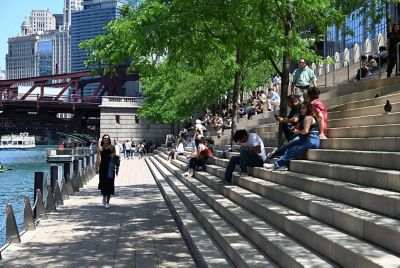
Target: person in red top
{"points": [[320, 111], [199, 158]]}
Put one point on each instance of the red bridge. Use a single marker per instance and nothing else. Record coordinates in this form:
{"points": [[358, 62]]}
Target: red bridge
{"points": [[27, 103]]}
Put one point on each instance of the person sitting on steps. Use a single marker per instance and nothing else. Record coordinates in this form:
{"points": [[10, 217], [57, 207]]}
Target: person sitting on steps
{"points": [[252, 153], [200, 158], [308, 138]]}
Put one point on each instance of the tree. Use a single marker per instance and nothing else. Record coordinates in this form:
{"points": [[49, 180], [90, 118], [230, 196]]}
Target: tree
{"points": [[186, 50]]}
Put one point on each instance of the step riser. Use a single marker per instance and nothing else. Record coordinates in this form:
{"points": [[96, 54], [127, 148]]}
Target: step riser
{"points": [[383, 160], [365, 111], [366, 120], [362, 176], [365, 132], [383, 144]]}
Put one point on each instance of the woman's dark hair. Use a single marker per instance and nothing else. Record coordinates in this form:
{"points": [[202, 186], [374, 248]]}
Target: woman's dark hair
{"points": [[310, 110], [239, 134], [394, 25], [313, 93], [102, 138]]}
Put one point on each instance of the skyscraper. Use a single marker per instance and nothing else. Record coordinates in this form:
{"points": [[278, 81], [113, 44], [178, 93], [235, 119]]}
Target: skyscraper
{"points": [[88, 23]]}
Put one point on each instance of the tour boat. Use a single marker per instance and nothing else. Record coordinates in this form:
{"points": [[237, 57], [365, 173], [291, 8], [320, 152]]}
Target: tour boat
{"points": [[17, 142]]}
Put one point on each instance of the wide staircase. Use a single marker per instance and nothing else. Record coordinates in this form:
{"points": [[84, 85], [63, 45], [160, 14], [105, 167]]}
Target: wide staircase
{"points": [[337, 206]]}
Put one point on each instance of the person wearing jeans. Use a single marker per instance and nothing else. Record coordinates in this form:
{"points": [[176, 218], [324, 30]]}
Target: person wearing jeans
{"points": [[252, 153], [308, 138]]}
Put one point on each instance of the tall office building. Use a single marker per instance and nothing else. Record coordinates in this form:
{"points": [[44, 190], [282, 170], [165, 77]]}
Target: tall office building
{"points": [[42, 21], [69, 7], [88, 23]]}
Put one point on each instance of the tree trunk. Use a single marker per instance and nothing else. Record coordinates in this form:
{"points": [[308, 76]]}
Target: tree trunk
{"points": [[235, 95], [285, 78], [388, 17]]}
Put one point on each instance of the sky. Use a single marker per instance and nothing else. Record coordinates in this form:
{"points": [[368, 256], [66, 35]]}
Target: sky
{"points": [[13, 12]]}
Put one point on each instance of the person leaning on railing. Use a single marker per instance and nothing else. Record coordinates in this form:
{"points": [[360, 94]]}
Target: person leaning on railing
{"points": [[301, 80]]}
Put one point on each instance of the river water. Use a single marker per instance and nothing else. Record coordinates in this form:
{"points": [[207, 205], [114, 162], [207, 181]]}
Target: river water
{"points": [[18, 181]]}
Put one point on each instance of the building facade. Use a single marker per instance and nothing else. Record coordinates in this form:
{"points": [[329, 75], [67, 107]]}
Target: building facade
{"points": [[22, 59], [69, 7], [358, 28], [42, 21], [119, 118]]}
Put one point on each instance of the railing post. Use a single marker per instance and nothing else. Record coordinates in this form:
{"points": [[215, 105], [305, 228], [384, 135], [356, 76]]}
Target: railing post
{"points": [[29, 223], [12, 233]]}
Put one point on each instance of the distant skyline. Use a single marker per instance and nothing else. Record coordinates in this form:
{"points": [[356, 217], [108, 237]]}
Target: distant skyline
{"points": [[14, 12]]}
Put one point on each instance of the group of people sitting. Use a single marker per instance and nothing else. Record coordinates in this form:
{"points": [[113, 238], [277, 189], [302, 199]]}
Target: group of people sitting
{"points": [[304, 127], [258, 102]]}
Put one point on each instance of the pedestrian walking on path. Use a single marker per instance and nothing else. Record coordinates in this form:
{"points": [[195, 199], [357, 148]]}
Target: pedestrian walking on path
{"points": [[106, 169]]}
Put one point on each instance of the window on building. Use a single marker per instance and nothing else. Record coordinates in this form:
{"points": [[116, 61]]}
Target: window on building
{"points": [[117, 120], [136, 119]]}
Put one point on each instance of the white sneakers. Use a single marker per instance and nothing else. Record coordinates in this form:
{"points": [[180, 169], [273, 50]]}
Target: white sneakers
{"points": [[185, 174], [105, 204], [272, 167], [268, 166]]}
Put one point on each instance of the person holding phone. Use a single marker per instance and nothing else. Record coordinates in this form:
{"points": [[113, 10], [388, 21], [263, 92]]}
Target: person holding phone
{"points": [[308, 138]]}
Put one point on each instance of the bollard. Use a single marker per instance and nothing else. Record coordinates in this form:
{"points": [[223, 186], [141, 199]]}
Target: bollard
{"points": [[53, 176], [74, 185], [68, 171], [64, 189], [29, 223], [39, 210], [39, 183], [57, 195], [50, 204], [12, 234], [79, 179], [75, 164]]}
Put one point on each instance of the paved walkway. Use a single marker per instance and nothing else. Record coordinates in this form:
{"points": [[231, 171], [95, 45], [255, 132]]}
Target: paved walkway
{"points": [[138, 230]]}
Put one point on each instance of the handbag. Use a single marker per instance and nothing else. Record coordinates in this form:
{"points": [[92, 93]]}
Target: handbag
{"points": [[111, 167]]}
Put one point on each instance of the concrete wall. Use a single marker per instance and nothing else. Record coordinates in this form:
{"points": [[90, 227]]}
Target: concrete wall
{"points": [[129, 126]]}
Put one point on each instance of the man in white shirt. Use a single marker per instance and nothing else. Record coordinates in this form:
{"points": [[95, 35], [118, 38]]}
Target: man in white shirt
{"points": [[275, 100], [252, 153]]}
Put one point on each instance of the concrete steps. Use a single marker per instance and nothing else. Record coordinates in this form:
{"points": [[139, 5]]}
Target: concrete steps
{"points": [[239, 251], [307, 218], [284, 250], [205, 252]]}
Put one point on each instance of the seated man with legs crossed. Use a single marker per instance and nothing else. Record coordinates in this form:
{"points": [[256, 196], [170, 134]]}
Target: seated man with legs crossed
{"points": [[252, 153]]}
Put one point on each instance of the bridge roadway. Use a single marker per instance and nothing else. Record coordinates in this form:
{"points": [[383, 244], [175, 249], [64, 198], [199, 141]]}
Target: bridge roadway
{"points": [[137, 231]]}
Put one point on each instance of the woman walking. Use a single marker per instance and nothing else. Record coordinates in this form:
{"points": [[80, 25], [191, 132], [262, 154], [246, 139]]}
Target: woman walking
{"points": [[106, 169]]}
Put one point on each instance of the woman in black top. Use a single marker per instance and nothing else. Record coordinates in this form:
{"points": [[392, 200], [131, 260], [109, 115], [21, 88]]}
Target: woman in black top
{"points": [[392, 40], [105, 154]]}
